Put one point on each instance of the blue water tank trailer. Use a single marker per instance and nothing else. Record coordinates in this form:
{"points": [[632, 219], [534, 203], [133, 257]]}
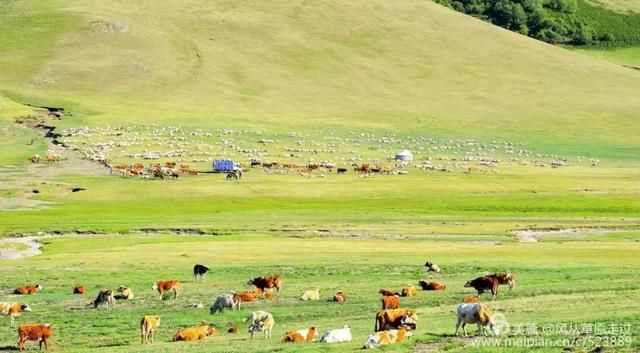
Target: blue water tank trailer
{"points": [[223, 166]]}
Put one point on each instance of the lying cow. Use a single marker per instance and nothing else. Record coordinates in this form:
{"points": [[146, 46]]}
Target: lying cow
{"points": [[261, 321], [505, 278], [337, 335], [79, 290], [199, 271], [148, 326], [340, 297], [409, 291], [311, 295], [233, 330], [248, 297], [482, 284], [193, 333], [431, 267], [386, 337], [470, 299], [105, 297], [479, 314], [13, 310], [163, 286], [393, 319], [225, 301], [387, 293], [125, 293], [267, 282], [32, 289], [34, 332], [390, 302], [307, 334], [431, 285]]}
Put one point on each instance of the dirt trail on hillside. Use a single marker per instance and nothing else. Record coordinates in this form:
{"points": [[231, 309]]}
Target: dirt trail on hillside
{"points": [[532, 236]]}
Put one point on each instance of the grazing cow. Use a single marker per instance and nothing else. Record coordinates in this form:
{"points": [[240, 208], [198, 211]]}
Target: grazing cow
{"points": [[233, 330], [470, 299], [505, 278], [409, 291], [13, 310], [148, 326], [125, 293], [482, 284], [193, 333], [34, 332], [387, 293], [337, 335], [105, 297], [248, 297], [267, 282], [79, 290], [261, 321], [340, 297], [393, 319], [431, 285], [163, 286], [386, 337], [390, 302], [199, 271], [342, 170], [231, 300], [311, 295], [28, 289], [307, 335], [431, 267], [478, 314]]}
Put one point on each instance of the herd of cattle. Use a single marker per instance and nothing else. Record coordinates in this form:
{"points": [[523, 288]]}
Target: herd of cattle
{"points": [[392, 324]]}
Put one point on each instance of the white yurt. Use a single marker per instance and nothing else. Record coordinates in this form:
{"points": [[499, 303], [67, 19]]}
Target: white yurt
{"points": [[404, 155]]}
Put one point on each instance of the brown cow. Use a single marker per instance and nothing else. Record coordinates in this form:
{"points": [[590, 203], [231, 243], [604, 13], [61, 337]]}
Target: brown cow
{"points": [[233, 329], [387, 293], [267, 282], [193, 333], [13, 310], [340, 297], [390, 302], [409, 291], [163, 286], [431, 285], [307, 334], [505, 278], [470, 299], [485, 283], [34, 332], [28, 289], [390, 319], [247, 297], [79, 290]]}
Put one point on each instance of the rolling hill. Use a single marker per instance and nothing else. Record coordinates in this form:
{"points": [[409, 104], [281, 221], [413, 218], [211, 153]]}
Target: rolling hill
{"points": [[402, 66]]}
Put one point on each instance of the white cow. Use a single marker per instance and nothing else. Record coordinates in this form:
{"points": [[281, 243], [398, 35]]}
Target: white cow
{"points": [[261, 321], [225, 301], [337, 335], [476, 313]]}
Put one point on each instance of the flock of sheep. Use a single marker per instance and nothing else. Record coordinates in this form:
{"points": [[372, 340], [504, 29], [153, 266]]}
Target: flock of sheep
{"points": [[134, 144]]}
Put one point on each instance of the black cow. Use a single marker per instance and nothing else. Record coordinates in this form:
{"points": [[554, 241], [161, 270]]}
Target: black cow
{"points": [[199, 271]]}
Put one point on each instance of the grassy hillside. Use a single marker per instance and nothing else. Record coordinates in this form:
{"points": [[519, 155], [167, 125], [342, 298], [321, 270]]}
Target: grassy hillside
{"points": [[296, 64], [619, 5]]}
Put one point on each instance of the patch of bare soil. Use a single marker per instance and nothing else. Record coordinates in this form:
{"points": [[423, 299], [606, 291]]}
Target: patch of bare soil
{"points": [[428, 347], [533, 235], [7, 252]]}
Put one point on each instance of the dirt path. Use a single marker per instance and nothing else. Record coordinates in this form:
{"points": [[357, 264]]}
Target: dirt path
{"points": [[9, 252]]}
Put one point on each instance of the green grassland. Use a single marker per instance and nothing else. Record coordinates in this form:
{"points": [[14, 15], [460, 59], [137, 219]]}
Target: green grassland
{"points": [[322, 81], [619, 5], [558, 283]]}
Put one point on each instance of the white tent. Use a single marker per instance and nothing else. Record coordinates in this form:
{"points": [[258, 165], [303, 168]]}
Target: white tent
{"points": [[404, 155]]}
